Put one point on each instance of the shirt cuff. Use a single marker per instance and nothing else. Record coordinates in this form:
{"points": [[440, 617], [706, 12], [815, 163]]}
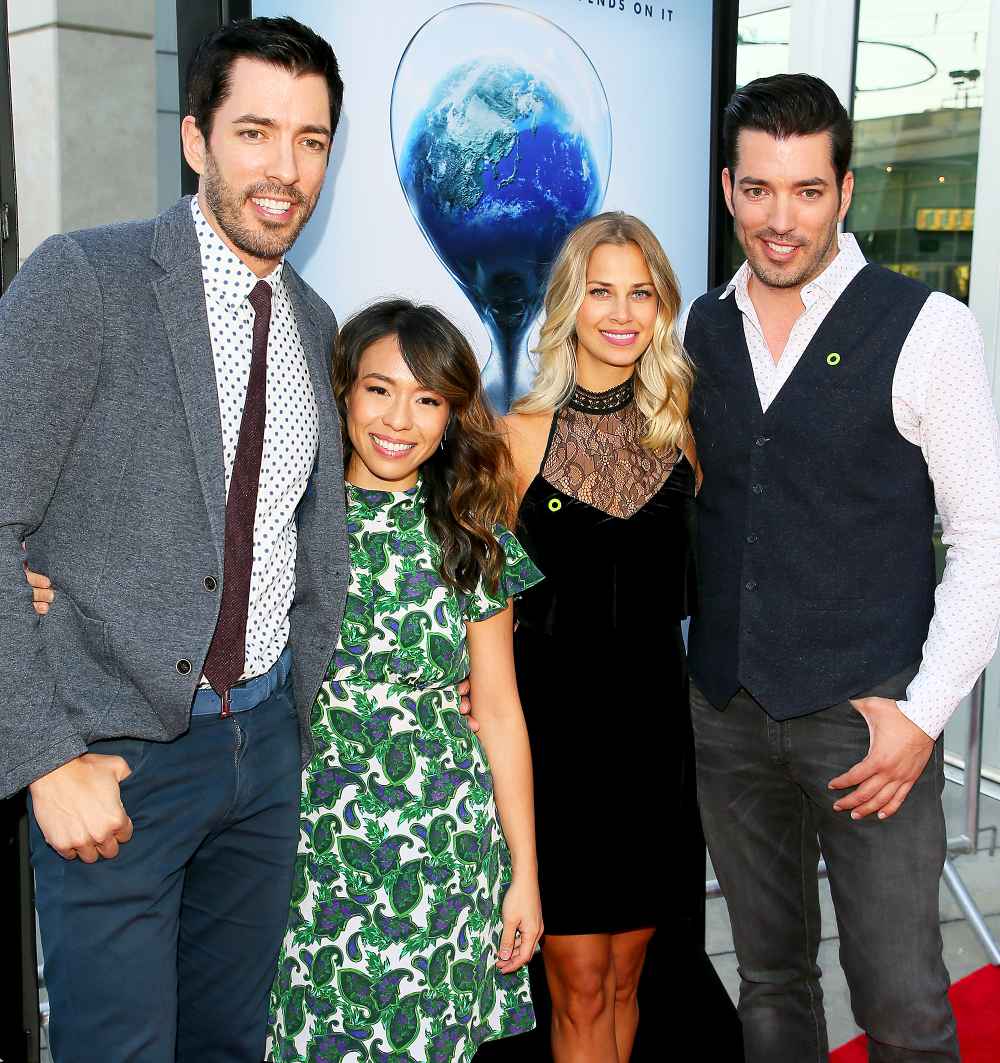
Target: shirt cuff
{"points": [[914, 715], [928, 708]]}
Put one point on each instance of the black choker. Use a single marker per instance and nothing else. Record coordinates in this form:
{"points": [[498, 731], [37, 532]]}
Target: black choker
{"points": [[616, 398]]}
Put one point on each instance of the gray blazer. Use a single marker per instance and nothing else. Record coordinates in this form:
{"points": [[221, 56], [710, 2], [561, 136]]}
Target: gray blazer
{"points": [[111, 472]]}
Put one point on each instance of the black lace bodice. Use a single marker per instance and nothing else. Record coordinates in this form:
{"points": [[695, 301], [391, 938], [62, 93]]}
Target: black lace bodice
{"points": [[609, 524], [595, 454]]}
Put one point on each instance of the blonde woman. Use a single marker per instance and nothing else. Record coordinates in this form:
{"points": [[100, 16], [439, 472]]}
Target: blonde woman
{"points": [[606, 478]]}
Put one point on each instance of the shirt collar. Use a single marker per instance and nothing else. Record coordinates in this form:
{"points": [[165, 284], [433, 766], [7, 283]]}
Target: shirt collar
{"points": [[226, 276], [848, 262]]}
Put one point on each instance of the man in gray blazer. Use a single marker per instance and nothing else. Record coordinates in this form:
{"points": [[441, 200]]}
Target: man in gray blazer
{"points": [[172, 460]]}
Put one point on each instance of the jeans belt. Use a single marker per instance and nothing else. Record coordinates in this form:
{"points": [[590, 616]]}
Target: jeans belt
{"points": [[248, 693]]}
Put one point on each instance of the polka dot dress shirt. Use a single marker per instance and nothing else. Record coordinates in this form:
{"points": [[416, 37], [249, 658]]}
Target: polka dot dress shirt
{"points": [[942, 403], [291, 431]]}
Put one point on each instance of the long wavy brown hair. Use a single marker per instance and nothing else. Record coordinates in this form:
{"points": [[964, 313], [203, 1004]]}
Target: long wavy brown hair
{"points": [[468, 484]]}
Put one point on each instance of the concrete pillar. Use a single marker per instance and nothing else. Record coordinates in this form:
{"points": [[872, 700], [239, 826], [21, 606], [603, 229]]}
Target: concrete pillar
{"points": [[168, 118], [84, 105], [822, 43]]}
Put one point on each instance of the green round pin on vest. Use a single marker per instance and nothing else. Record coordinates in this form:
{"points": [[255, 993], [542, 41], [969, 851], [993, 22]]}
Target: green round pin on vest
{"points": [[555, 505], [833, 358]]}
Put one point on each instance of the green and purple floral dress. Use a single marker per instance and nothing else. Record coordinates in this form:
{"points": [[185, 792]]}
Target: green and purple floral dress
{"points": [[391, 948]]}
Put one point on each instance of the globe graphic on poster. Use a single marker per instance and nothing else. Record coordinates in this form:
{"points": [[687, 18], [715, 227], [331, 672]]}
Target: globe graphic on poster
{"points": [[496, 167]]}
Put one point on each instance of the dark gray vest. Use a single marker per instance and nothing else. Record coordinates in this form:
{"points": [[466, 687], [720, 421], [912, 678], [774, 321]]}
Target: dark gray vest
{"points": [[815, 518]]}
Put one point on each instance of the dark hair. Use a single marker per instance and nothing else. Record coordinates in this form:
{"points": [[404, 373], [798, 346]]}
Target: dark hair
{"points": [[281, 41], [469, 483], [789, 105]]}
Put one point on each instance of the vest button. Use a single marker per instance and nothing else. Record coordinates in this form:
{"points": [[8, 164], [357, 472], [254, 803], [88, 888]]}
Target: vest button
{"points": [[211, 583], [183, 667], [758, 489], [751, 584], [752, 538]]}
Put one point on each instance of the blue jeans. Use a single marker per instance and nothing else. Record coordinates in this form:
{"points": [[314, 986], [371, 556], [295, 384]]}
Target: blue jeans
{"points": [[167, 952], [767, 813]]}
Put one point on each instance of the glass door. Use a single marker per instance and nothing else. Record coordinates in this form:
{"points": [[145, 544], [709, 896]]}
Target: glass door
{"points": [[918, 107]]}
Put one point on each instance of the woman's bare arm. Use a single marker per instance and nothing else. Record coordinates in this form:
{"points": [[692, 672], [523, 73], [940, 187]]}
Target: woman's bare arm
{"points": [[527, 434], [504, 737]]}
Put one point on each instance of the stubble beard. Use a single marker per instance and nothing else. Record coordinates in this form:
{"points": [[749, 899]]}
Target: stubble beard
{"points": [[809, 270], [267, 243]]}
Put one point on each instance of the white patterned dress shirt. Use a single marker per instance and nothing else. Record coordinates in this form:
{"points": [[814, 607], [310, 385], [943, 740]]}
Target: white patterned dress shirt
{"points": [[942, 403], [291, 431]]}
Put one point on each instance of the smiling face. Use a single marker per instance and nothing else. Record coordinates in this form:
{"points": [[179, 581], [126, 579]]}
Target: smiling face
{"points": [[263, 165], [614, 324], [394, 423], [784, 198]]}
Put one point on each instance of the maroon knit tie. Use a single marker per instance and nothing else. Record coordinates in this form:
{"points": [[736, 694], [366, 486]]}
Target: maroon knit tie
{"points": [[227, 653]]}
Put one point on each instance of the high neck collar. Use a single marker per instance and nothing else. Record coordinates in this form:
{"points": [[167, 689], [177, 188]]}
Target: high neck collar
{"points": [[600, 402], [374, 499]]}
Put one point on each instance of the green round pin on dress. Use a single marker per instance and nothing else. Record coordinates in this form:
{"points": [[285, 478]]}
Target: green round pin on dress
{"points": [[833, 358]]}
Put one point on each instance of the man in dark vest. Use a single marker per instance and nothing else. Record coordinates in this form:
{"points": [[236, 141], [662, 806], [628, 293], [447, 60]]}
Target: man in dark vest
{"points": [[837, 406]]}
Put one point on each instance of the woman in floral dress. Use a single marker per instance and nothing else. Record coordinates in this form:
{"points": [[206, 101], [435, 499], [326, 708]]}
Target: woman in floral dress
{"points": [[415, 904]]}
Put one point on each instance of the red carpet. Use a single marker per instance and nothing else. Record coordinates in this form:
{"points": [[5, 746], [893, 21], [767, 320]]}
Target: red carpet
{"points": [[976, 1000]]}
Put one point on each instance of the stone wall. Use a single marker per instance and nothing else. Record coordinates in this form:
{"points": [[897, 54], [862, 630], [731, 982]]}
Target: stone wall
{"points": [[83, 87]]}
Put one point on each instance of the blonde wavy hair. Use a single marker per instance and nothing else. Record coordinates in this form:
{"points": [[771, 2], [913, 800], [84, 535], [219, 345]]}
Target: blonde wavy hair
{"points": [[664, 373]]}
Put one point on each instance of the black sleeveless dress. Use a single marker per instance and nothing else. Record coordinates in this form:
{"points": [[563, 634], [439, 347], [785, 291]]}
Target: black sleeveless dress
{"points": [[602, 675]]}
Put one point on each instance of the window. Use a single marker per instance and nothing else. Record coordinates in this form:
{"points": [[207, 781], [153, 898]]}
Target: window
{"points": [[917, 107], [762, 45]]}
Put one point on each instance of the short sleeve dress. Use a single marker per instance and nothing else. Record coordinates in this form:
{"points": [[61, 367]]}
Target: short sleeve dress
{"points": [[391, 947]]}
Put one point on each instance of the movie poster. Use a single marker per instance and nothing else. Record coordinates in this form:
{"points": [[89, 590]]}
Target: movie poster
{"points": [[474, 136]]}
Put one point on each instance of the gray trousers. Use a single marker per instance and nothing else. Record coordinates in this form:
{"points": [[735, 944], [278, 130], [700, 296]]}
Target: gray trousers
{"points": [[768, 814]]}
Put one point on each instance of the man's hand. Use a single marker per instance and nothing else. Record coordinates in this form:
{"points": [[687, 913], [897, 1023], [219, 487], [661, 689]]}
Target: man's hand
{"points": [[465, 705], [897, 755], [79, 810]]}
